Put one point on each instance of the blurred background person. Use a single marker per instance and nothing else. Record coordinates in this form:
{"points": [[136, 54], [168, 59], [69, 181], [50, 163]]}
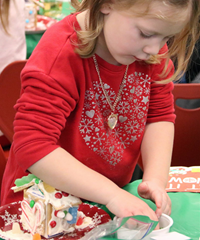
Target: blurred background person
{"points": [[12, 31], [12, 35]]}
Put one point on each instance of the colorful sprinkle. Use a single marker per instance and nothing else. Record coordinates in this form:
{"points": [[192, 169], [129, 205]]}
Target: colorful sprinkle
{"points": [[79, 221], [37, 180], [48, 188], [53, 224], [41, 191], [58, 195], [65, 211], [60, 214], [73, 211], [36, 236], [56, 212], [65, 194], [68, 217], [32, 203]]}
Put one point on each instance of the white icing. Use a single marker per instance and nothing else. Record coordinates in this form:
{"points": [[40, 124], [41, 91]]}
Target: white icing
{"points": [[13, 236], [61, 225], [87, 221], [59, 203]]}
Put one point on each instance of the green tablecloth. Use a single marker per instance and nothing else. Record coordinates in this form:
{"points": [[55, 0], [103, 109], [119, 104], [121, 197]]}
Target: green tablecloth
{"points": [[185, 211], [32, 39]]}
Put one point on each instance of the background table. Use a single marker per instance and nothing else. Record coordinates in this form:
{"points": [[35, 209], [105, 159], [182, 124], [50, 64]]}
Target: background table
{"points": [[33, 38]]}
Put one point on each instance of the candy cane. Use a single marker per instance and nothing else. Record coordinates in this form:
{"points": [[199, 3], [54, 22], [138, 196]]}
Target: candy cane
{"points": [[37, 209]]}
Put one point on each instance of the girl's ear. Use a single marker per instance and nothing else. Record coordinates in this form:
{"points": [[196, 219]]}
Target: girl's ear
{"points": [[106, 8]]}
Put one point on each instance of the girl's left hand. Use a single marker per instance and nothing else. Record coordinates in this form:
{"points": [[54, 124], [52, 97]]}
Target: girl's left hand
{"points": [[157, 194]]}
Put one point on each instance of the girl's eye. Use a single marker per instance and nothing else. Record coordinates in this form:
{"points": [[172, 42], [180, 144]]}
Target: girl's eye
{"points": [[145, 35]]}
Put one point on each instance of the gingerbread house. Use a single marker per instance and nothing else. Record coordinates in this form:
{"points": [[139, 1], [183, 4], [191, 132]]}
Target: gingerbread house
{"points": [[46, 210]]}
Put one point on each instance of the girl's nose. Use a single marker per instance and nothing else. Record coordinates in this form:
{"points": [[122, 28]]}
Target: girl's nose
{"points": [[152, 48]]}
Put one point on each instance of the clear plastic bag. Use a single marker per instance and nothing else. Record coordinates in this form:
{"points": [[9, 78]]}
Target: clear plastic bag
{"points": [[133, 228]]}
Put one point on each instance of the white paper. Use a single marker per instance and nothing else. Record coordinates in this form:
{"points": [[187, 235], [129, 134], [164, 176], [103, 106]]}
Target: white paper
{"points": [[170, 236]]}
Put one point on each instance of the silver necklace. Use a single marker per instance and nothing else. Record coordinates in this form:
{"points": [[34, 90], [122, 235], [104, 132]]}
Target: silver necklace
{"points": [[113, 118]]}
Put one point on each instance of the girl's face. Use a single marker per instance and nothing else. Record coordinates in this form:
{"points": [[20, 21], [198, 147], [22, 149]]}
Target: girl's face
{"points": [[127, 38]]}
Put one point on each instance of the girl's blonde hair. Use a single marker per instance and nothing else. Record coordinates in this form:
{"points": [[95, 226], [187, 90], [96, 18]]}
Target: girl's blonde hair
{"points": [[4, 11], [181, 46]]}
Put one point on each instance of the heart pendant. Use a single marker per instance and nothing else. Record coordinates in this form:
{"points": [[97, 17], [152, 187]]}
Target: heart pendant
{"points": [[112, 120], [33, 216]]}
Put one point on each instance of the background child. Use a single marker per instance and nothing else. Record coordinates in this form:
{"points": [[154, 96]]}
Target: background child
{"points": [[12, 37], [96, 91], [12, 32]]}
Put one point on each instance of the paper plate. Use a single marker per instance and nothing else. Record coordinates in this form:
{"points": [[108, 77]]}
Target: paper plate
{"points": [[11, 213]]}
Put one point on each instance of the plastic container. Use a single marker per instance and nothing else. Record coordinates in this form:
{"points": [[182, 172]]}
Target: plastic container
{"points": [[165, 223]]}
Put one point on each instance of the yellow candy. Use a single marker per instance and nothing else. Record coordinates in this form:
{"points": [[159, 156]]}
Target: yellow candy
{"points": [[48, 188], [36, 236]]}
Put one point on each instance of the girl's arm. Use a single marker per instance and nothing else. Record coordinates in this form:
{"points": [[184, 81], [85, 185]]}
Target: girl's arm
{"points": [[156, 152], [64, 172]]}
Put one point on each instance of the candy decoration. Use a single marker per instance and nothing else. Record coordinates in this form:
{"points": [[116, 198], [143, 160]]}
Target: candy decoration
{"points": [[25, 180], [48, 188], [73, 211], [41, 192], [37, 180], [16, 228], [32, 203], [36, 236], [55, 213], [79, 221], [52, 224], [68, 217], [60, 214], [35, 211], [58, 195], [65, 194]]}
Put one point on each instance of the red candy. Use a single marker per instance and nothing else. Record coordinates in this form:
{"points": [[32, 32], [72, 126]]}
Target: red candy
{"points": [[56, 212], [53, 224], [65, 194], [79, 221], [58, 195]]}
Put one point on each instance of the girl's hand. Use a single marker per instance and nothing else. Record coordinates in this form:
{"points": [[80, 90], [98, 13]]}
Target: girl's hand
{"points": [[157, 194], [125, 204]]}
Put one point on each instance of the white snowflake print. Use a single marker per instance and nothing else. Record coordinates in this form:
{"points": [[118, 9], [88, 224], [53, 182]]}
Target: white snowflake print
{"points": [[8, 218], [123, 107], [138, 91], [145, 80], [131, 111], [96, 219], [86, 126]]}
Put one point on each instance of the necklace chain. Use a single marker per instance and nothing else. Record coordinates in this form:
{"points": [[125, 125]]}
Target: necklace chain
{"points": [[105, 92]]}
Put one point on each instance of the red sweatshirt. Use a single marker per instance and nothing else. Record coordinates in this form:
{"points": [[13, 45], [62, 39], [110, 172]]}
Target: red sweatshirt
{"points": [[62, 104]]}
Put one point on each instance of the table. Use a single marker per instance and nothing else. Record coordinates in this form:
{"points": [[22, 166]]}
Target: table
{"points": [[185, 211], [32, 39]]}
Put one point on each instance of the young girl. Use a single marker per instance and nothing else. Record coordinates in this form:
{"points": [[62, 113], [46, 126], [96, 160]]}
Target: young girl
{"points": [[96, 91]]}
